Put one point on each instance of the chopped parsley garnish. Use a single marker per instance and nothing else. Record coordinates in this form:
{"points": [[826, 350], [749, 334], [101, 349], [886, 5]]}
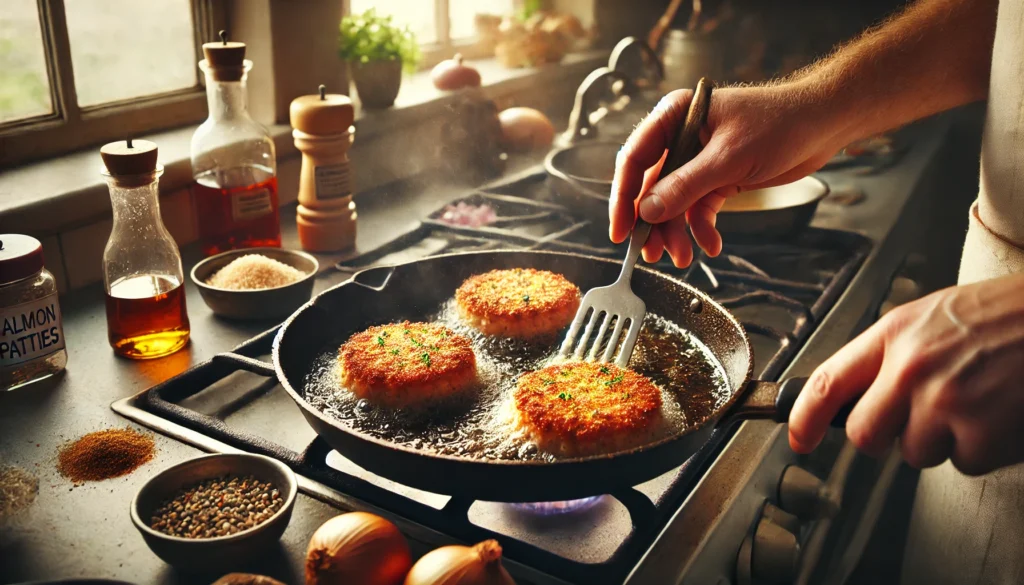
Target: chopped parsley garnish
{"points": [[384, 334], [416, 343], [605, 370], [564, 396], [565, 373], [613, 381], [425, 358], [394, 352], [380, 340], [526, 298], [407, 331]]}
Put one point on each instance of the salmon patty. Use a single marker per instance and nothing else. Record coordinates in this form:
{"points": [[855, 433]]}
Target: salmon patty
{"points": [[585, 408], [407, 364], [521, 302]]}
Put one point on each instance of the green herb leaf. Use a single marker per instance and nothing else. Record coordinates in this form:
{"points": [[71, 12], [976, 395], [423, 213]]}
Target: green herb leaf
{"points": [[547, 382], [613, 381], [394, 352], [380, 340], [562, 396], [605, 370], [526, 298], [564, 373], [425, 358]]}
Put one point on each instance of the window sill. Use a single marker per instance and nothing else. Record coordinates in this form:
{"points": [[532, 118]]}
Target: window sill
{"points": [[62, 193], [64, 201]]}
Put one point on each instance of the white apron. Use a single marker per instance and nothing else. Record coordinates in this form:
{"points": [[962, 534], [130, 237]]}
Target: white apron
{"points": [[970, 530]]}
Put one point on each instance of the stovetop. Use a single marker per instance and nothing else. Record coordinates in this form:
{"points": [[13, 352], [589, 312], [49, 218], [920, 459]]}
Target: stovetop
{"points": [[779, 291]]}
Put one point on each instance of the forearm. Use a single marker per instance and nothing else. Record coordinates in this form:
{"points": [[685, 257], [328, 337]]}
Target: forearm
{"points": [[933, 56]]}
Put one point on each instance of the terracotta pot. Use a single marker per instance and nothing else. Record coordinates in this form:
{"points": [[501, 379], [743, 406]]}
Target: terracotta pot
{"points": [[377, 82]]}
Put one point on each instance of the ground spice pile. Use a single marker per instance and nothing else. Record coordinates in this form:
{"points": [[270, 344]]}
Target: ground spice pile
{"points": [[218, 507], [254, 271], [104, 454], [18, 489]]}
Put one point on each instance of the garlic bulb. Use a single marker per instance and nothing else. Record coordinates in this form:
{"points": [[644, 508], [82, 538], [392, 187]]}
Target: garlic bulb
{"points": [[357, 548], [461, 565]]}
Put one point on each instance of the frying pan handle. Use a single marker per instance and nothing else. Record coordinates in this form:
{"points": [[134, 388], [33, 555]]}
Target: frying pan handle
{"points": [[789, 390], [775, 400], [375, 278]]}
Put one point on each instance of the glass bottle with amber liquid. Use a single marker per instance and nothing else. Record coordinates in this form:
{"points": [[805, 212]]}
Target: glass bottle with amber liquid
{"points": [[233, 160], [146, 315]]}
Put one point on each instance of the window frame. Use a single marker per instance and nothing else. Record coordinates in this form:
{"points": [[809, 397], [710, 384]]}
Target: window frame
{"points": [[71, 127], [445, 48]]}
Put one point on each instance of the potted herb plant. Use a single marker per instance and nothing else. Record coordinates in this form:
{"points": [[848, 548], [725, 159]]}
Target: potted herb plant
{"points": [[377, 50]]}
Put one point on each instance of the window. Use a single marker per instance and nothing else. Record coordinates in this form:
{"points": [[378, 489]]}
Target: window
{"points": [[442, 27], [74, 73]]}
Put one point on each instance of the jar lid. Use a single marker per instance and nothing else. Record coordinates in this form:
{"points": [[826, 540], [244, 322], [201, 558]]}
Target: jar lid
{"points": [[129, 157], [20, 257], [323, 113], [225, 59]]}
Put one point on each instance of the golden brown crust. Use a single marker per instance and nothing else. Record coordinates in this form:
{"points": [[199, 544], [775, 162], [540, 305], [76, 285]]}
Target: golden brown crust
{"points": [[584, 407], [518, 302], [406, 363]]}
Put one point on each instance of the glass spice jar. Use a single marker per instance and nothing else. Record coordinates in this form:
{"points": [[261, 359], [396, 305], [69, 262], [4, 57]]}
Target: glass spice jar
{"points": [[31, 331]]}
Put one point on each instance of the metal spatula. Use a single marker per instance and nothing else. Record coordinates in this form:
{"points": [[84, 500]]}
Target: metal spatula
{"points": [[613, 307]]}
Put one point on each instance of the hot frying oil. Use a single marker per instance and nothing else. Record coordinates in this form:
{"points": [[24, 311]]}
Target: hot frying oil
{"points": [[146, 316], [231, 217], [693, 387]]}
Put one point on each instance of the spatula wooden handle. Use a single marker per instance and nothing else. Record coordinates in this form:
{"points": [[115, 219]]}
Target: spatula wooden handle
{"points": [[682, 150], [687, 143]]}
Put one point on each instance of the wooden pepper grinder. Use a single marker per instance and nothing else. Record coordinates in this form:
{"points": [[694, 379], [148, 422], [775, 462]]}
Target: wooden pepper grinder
{"points": [[323, 132]]}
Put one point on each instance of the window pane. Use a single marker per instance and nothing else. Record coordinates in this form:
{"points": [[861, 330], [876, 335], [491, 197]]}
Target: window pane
{"points": [[130, 48], [418, 15], [461, 13], [24, 91]]}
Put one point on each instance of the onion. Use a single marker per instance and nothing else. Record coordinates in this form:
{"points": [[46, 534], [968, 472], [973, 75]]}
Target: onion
{"points": [[357, 548], [461, 565], [526, 129], [451, 74], [246, 579]]}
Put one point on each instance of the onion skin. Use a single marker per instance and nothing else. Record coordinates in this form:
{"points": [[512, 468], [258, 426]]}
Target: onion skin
{"points": [[461, 565], [246, 579], [357, 548], [452, 74], [525, 129]]}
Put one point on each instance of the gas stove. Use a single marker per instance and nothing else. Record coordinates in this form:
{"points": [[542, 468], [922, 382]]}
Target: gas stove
{"points": [[779, 291]]}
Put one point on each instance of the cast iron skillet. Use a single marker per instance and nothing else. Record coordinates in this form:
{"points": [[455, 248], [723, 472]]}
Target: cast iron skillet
{"points": [[416, 289]]}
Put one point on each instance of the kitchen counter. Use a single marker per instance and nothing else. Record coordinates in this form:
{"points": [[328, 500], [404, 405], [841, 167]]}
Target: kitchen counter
{"points": [[85, 531]]}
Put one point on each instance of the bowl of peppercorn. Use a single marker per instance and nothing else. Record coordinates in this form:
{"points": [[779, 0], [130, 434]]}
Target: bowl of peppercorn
{"points": [[217, 511]]}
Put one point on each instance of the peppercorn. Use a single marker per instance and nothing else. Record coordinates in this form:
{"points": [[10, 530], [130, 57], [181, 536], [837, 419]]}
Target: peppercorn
{"points": [[218, 507]]}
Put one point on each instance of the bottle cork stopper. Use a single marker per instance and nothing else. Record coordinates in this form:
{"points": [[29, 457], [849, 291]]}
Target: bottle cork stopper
{"points": [[225, 59], [129, 157], [322, 113]]}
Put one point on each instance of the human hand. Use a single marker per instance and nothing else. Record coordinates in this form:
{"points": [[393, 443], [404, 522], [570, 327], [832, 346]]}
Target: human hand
{"points": [[755, 137], [944, 373]]}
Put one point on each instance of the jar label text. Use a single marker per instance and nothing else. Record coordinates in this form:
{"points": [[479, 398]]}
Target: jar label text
{"points": [[332, 181], [29, 331], [248, 205]]}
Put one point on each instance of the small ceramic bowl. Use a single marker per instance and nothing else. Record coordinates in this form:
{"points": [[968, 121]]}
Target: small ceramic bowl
{"points": [[222, 552], [267, 303]]}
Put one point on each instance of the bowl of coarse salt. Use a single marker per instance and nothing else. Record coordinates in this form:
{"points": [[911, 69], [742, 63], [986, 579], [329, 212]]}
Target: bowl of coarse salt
{"points": [[256, 283]]}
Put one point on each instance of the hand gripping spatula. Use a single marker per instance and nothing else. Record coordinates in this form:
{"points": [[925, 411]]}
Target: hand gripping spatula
{"points": [[614, 306]]}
